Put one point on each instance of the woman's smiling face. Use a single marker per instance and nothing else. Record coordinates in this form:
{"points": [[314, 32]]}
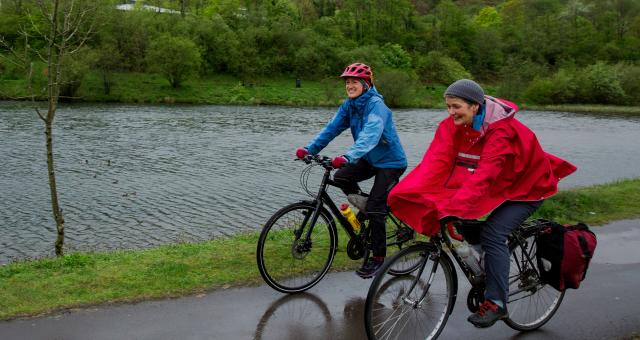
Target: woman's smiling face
{"points": [[461, 111], [354, 87]]}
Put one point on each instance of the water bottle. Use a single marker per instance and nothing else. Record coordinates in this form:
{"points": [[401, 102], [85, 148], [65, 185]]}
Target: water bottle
{"points": [[470, 258], [351, 217]]}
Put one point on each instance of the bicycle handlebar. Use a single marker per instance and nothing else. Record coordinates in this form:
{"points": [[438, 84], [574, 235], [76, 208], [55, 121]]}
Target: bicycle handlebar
{"points": [[453, 232], [318, 159]]}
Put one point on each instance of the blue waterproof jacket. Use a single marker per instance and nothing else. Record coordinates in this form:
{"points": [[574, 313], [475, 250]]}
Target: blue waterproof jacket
{"points": [[374, 134]]}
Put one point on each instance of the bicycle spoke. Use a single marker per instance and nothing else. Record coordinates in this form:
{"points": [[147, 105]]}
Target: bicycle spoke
{"points": [[291, 263], [531, 303], [408, 307]]}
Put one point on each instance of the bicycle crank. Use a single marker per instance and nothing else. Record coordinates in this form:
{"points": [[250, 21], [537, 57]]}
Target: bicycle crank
{"points": [[355, 250], [475, 299]]}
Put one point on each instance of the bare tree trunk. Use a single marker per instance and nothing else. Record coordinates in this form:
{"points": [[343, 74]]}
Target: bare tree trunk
{"points": [[55, 205], [54, 76]]}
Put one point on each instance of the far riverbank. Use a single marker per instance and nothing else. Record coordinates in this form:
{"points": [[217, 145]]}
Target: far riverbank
{"points": [[143, 88]]}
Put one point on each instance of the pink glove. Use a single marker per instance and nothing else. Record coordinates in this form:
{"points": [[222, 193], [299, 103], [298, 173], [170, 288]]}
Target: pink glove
{"points": [[301, 152], [339, 162]]}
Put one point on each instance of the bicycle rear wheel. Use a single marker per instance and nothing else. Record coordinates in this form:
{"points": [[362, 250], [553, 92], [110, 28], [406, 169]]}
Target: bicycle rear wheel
{"points": [[287, 260], [531, 302], [395, 308]]}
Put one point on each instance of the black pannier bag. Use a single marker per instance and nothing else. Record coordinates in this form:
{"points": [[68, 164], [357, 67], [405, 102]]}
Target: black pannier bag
{"points": [[563, 254]]}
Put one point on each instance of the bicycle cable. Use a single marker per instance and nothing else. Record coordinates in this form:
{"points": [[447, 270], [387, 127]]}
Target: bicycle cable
{"points": [[304, 179]]}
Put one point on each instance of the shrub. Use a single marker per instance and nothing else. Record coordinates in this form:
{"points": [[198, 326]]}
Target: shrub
{"points": [[595, 84], [599, 84], [368, 54], [437, 68], [11, 68], [539, 91], [516, 76], [629, 76], [394, 56], [331, 90], [174, 57], [74, 69], [397, 87]]}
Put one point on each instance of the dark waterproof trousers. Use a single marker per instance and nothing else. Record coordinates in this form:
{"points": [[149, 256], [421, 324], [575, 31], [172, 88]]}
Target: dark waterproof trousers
{"points": [[493, 239], [349, 176]]}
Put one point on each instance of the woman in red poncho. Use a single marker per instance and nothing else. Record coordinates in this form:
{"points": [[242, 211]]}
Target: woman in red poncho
{"points": [[482, 160]]}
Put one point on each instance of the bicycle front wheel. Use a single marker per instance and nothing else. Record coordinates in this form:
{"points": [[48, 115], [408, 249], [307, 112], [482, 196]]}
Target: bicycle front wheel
{"points": [[399, 236], [288, 260], [531, 302], [414, 306]]}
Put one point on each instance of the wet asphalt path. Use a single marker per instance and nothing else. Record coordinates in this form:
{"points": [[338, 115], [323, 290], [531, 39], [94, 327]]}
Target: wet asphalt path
{"points": [[607, 306]]}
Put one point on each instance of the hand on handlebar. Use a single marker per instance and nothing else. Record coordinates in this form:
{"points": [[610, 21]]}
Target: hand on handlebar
{"points": [[301, 152], [339, 162], [449, 222], [325, 161]]}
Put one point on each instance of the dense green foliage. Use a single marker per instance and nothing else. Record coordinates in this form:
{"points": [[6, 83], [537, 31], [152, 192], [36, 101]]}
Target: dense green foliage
{"points": [[537, 51]]}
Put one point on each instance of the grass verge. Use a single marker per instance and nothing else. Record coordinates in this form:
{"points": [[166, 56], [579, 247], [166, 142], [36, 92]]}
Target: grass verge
{"points": [[217, 90], [593, 108], [81, 279]]}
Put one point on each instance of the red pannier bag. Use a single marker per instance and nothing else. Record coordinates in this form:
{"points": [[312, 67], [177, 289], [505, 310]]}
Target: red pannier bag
{"points": [[563, 254]]}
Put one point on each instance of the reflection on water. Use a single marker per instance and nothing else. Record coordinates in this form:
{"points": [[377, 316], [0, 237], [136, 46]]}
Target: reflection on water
{"points": [[136, 176]]}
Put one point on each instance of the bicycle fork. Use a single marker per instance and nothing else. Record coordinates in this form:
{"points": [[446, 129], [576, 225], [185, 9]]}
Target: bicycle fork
{"points": [[417, 303]]}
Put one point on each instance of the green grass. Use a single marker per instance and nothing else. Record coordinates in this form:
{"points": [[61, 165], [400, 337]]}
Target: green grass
{"points": [[81, 279], [228, 90], [593, 108], [596, 204], [153, 89], [219, 90]]}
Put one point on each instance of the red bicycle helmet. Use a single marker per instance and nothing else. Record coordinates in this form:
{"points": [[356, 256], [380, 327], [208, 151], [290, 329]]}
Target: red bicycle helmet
{"points": [[358, 70]]}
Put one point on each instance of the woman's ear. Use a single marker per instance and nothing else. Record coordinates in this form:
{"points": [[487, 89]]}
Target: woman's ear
{"points": [[475, 107]]}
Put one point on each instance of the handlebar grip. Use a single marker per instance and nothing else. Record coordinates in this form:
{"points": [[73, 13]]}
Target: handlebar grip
{"points": [[453, 232]]}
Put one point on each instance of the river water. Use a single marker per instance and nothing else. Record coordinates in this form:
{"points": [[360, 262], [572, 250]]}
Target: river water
{"points": [[133, 176]]}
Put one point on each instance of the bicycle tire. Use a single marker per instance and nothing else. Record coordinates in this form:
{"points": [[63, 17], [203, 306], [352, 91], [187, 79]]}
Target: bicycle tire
{"points": [[285, 263], [389, 311], [400, 234], [531, 302]]}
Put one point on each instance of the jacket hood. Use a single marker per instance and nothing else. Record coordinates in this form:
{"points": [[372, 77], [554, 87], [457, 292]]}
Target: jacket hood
{"points": [[361, 101], [496, 110]]}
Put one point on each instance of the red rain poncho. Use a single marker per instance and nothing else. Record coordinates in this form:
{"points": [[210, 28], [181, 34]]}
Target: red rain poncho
{"points": [[468, 173]]}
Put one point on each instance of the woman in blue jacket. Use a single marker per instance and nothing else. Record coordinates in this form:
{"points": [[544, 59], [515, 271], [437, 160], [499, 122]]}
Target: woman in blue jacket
{"points": [[376, 152]]}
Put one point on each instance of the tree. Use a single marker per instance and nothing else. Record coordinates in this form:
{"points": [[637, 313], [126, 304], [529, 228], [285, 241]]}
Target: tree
{"points": [[108, 59], [65, 26], [174, 57]]}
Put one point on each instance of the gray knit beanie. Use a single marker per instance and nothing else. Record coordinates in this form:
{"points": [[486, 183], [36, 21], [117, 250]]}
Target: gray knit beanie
{"points": [[466, 89]]}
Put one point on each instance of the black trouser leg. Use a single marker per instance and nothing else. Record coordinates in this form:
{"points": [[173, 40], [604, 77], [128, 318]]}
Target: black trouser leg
{"points": [[377, 207], [349, 176]]}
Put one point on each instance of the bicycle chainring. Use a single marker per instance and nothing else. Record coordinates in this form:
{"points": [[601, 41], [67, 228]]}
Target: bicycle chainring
{"points": [[475, 299], [355, 250]]}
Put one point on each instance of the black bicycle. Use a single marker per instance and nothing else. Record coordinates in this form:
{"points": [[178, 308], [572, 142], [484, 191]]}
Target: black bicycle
{"points": [[417, 305], [298, 243]]}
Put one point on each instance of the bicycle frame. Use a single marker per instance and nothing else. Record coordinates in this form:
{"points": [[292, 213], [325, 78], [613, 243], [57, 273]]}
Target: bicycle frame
{"points": [[323, 198], [444, 239]]}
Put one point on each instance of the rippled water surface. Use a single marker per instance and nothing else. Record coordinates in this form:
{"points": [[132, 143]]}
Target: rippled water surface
{"points": [[137, 176]]}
